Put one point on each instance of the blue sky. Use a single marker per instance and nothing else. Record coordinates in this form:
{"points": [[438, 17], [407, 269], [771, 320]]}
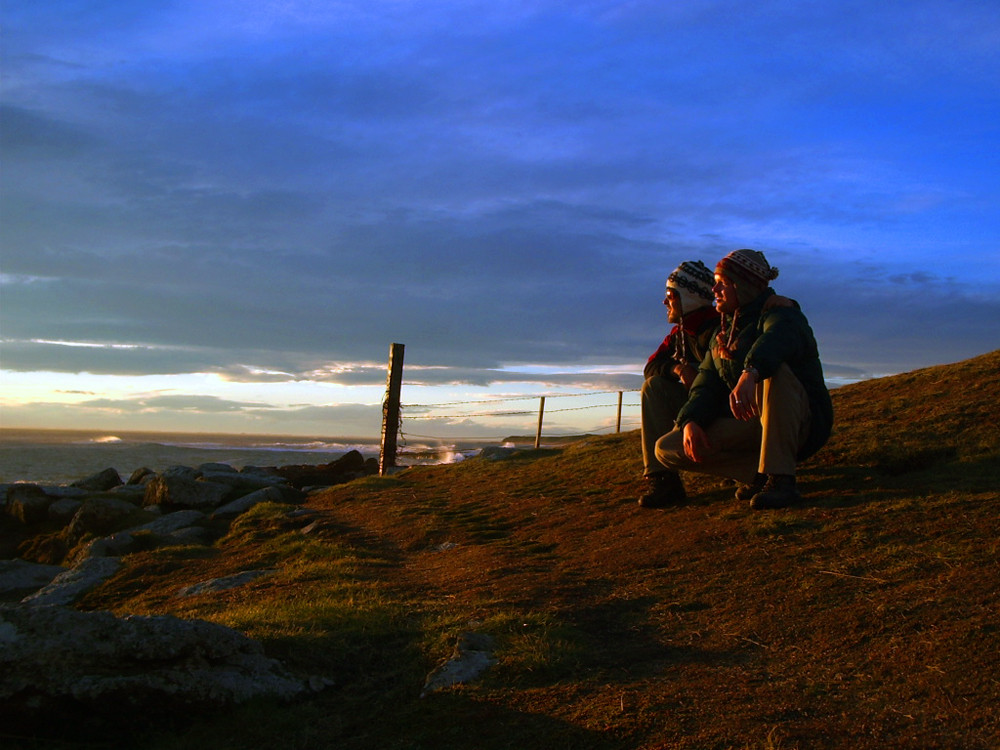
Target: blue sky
{"points": [[218, 215]]}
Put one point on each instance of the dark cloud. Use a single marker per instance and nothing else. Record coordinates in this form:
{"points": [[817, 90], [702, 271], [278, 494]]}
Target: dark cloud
{"points": [[28, 135], [273, 197]]}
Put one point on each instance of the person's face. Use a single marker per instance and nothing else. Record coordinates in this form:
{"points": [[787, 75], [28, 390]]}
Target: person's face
{"points": [[673, 303], [725, 295]]}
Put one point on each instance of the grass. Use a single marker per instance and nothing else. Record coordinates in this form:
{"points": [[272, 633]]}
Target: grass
{"points": [[866, 619]]}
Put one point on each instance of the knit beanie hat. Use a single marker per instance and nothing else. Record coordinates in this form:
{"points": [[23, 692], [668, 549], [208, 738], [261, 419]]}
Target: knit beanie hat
{"points": [[692, 281], [749, 271]]}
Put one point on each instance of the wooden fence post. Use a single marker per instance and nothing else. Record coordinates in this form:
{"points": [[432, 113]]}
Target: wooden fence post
{"points": [[390, 409], [538, 432], [618, 422]]}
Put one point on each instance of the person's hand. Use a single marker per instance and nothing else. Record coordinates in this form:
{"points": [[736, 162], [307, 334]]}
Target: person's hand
{"points": [[696, 445], [743, 399], [686, 374]]}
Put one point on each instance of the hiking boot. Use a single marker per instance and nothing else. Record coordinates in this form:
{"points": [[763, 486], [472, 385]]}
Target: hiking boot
{"points": [[746, 491], [778, 492], [665, 489]]}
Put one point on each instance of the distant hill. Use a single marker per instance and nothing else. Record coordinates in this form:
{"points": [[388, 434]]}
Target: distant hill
{"points": [[868, 618]]}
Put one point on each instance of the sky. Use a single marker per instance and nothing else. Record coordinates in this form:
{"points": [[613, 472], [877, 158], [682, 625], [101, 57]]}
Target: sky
{"points": [[218, 215]]}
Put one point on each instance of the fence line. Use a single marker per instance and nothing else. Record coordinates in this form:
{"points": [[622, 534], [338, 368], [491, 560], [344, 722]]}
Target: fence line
{"points": [[520, 398], [393, 409], [518, 413]]}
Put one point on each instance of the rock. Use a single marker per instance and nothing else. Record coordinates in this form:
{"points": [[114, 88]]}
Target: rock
{"points": [[71, 584], [171, 522], [102, 515], [61, 491], [245, 503], [133, 493], [107, 672], [102, 481], [263, 471], [180, 491], [115, 545], [22, 577], [184, 472], [28, 503], [61, 512], [242, 482], [223, 584], [473, 654], [140, 476], [497, 453], [170, 530], [192, 535], [214, 466], [349, 466]]}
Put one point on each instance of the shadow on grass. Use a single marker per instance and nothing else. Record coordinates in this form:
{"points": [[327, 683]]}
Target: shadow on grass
{"points": [[623, 639], [937, 472], [457, 718], [847, 486]]}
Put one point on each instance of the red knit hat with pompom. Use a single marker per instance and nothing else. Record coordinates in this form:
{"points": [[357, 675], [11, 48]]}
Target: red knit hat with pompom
{"points": [[747, 265]]}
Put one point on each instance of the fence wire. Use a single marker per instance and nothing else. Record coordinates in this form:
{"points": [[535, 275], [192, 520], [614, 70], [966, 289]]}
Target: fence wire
{"points": [[406, 409], [521, 398], [514, 398]]}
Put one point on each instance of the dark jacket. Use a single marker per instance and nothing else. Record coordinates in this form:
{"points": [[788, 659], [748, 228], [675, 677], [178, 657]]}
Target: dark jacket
{"points": [[765, 340], [686, 345]]}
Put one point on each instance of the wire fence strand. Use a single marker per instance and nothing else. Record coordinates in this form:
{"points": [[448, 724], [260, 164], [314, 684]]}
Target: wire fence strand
{"points": [[520, 398], [506, 413]]}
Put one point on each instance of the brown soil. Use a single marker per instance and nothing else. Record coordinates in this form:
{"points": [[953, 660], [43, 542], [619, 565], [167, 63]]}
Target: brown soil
{"points": [[868, 618]]}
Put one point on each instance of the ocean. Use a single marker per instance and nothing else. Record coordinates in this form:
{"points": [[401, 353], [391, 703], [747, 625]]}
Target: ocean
{"points": [[54, 457]]}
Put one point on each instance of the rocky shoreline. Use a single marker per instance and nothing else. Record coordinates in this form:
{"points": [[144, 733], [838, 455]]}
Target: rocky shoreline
{"points": [[59, 542]]}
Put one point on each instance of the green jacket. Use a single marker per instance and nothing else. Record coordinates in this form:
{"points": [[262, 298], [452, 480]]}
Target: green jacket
{"points": [[765, 341]]}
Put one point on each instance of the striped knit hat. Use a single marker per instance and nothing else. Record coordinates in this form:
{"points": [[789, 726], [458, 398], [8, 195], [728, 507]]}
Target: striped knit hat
{"points": [[692, 281], [749, 271]]}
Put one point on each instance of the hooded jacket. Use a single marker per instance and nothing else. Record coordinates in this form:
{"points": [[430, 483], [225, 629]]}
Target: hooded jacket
{"points": [[764, 340]]}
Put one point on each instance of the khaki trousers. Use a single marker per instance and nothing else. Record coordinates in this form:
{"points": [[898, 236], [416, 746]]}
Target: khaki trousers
{"points": [[739, 450], [662, 398]]}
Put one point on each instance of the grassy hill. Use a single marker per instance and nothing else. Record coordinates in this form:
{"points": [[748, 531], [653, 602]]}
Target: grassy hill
{"points": [[869, 618]]}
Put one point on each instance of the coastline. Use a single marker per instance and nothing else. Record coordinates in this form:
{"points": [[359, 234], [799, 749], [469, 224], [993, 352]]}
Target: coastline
{"points": [[53, 457]]}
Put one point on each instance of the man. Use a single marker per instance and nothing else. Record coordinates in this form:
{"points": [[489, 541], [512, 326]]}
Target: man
{"points": [[759, 404], [670, 371]]}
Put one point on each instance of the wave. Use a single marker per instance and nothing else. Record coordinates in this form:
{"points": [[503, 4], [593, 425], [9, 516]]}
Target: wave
{"points": [[61, 457], [271, 446]]}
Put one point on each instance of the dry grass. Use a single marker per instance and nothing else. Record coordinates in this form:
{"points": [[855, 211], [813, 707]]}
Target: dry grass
{"points": [[866, 619]]}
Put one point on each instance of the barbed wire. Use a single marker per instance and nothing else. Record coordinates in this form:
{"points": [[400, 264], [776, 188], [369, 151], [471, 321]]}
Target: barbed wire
{"points": [[488, 438], [519, 398], [517, 413], [405, 449]]}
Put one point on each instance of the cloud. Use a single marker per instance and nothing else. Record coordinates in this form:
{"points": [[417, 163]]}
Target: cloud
{"points": [[170, 403], [274, 193]]}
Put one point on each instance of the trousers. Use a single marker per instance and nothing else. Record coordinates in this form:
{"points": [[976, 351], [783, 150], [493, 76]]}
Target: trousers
{"points": [[739, 450], [661, 399]]}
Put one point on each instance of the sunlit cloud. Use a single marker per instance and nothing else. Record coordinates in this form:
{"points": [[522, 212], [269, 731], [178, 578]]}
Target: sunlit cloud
{"points": [[258, 199]]}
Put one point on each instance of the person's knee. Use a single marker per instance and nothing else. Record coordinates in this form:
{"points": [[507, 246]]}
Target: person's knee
{"points": [[670, 447], [784, 396], [652, 384], [784, 384]]}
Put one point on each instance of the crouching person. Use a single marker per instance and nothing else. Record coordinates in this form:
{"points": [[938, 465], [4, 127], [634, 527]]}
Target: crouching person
{"points": [[671, 370], [759, 404]]}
